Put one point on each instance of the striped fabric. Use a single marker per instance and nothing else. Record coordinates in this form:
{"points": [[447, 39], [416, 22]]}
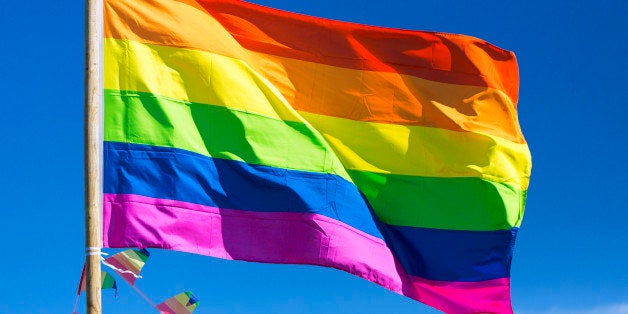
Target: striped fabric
{"points": [[107, 282], [129, 263], [243, 132], [182, 303]]}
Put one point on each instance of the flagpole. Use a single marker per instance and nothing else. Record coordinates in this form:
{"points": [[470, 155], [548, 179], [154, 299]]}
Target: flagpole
{"points": [[93, 168]]}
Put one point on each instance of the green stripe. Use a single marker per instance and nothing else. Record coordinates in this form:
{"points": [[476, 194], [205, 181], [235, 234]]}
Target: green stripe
{"points": [[216, 131], [464, 203], [107, 281], [141, 256]]}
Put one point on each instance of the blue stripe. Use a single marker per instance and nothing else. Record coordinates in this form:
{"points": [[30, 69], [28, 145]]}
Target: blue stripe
{"points": [[170, 173], [452, 255], [176, 174]]}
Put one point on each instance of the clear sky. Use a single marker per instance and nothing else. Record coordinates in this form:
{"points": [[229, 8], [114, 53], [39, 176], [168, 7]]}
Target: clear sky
{"points": [[571, 254]]}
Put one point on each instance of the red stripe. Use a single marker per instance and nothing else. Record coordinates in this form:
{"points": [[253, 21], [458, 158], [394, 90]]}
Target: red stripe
{"points": [[82, 282], [446, 58]]}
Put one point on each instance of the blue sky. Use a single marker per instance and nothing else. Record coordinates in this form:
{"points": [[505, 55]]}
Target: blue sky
{"points": [[570, 256]]}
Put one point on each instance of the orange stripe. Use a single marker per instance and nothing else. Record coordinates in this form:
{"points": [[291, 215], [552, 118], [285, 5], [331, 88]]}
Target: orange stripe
{"points": [[448, 58], [386, 97]]}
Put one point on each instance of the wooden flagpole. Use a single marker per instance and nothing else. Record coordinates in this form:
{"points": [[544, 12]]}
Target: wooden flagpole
{"points": [[93, 153]]}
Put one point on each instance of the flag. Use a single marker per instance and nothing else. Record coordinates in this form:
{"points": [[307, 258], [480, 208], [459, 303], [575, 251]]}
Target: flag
{"points": [[108, 282], [182, 303], [244, 132], [128, 263]]}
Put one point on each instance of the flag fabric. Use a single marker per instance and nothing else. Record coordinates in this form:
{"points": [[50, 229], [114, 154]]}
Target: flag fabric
{"points": [[182, 303], [243, 132], [129, 263], [108, 282]]}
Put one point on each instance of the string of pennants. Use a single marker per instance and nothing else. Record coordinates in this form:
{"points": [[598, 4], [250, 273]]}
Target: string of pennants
{"points": [[128, 264]]}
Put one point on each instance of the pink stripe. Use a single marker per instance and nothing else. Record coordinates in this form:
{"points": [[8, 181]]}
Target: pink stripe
{"points": [[119, 264], [490, 296], [287, 238]]}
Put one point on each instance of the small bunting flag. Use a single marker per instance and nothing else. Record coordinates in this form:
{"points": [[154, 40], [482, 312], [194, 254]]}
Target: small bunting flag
{"points": [[108, 282], [182, 303], [129, 263]]}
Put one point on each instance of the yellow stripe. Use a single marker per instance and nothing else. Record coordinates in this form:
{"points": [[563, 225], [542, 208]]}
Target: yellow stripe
{"points": [[422, 151], [366, 146], [317, 88], [190, 76]]}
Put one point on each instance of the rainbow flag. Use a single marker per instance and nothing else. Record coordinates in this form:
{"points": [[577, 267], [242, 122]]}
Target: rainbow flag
{"points": [[243, 132], [128, 263], [182, 303]]}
